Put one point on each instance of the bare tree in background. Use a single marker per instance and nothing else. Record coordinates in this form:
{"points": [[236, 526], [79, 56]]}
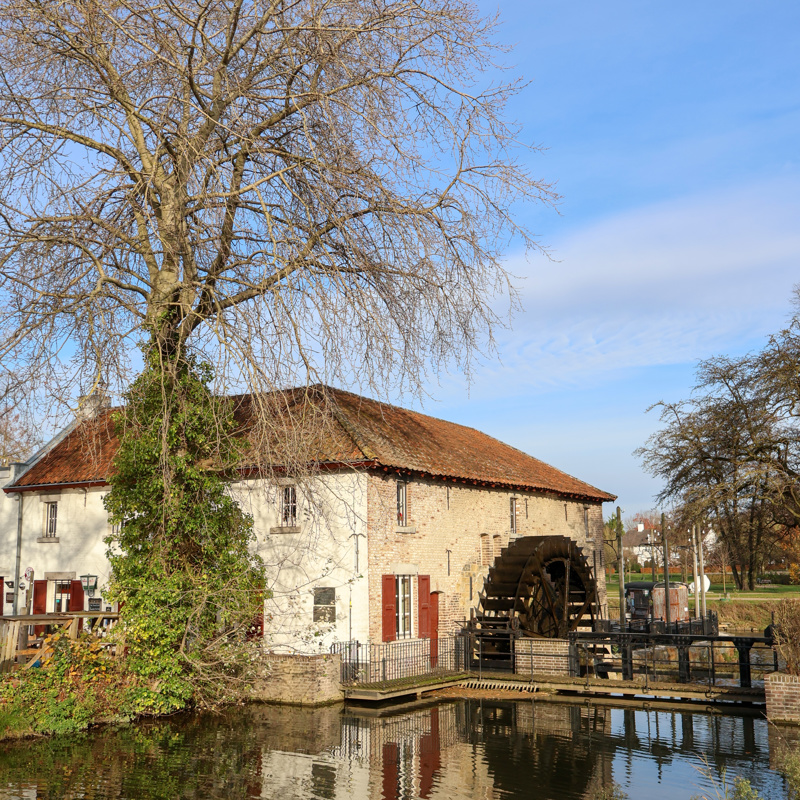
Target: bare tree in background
{"points": [[297, 190]]}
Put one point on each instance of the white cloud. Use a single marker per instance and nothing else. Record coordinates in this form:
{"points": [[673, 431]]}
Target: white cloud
{"points": [[667, 284]]}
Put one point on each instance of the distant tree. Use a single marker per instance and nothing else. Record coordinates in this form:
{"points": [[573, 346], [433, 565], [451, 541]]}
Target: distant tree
{"points": [[718, 455]]}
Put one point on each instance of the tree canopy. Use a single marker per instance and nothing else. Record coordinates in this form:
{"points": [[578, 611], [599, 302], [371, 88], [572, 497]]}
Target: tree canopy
{"points": [[730, 454], [294, 189]]}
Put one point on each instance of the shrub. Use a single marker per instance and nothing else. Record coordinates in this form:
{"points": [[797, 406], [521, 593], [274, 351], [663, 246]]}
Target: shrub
{"points": [[787, 634], [78, 685]]}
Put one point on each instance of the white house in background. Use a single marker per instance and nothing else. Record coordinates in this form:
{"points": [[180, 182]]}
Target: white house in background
{"points": [[644, 544], [390, 539]]}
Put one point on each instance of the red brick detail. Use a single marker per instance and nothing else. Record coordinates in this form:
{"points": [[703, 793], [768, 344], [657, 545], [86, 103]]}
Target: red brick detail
{"points": [[783, 697]]}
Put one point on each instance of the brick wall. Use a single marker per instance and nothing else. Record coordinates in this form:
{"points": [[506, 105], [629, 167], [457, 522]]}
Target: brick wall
{"points": [[471, 522], [541, 656], [299, 680], [783, 697]]}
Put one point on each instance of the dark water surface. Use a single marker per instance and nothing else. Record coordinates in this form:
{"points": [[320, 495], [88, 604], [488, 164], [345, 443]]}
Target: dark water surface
{"points": [[460, 749]]}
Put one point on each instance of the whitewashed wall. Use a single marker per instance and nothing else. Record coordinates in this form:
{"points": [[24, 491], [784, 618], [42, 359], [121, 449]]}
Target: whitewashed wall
{"points": [[332, 513], [331, 519], [77, 549]]}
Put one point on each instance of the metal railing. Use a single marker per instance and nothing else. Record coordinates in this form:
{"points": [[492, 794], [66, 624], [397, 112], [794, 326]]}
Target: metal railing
{"points": [[707, 626], [368, 663], [742, 661]]}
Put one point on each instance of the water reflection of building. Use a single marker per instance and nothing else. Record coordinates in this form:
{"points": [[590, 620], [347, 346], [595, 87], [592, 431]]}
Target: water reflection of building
{"points": [[457, 750], [475, 749]]}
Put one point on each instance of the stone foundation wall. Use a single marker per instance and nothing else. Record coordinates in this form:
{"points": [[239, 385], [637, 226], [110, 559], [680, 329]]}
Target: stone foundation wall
{"points": [[783, 697], [300, 680], [541, 656]]}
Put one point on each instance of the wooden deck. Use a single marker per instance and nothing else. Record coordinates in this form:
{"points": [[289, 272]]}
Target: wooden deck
{"points": [[405, 687], [560, 686], [598, 687]]}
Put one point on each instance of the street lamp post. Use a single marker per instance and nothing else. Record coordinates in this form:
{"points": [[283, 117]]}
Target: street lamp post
{"points": [[664, 542]]}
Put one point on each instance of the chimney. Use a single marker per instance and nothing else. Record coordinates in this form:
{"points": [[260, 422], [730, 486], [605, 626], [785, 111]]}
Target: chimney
{"points": [[90, 405]]}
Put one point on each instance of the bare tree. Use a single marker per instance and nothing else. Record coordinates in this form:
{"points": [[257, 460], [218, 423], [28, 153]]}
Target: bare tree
{"points": [[296, 189], [715, 455]]}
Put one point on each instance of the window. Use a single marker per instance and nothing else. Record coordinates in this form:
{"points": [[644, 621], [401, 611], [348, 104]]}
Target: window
{"points": [[513, 506], [324, 604], [63, 590], [402, 504], [50, 519], [289, 506], [403, 600]]}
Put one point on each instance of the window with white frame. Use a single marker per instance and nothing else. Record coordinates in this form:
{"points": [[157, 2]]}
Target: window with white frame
{"points": [[513, 510], [62, 596], [51, 520], [289, 506], [324, 604], [402, 503], [403, 592]]}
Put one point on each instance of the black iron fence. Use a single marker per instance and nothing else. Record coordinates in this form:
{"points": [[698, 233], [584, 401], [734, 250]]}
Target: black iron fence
{"points": [[364, 663], [707, 626], [724, 660]]}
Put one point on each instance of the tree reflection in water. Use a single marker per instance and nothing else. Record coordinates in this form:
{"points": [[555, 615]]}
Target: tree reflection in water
{"points": [[457, 749]]}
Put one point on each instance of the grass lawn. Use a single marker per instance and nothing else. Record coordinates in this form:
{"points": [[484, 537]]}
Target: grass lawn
{"points": [[737, 610]]}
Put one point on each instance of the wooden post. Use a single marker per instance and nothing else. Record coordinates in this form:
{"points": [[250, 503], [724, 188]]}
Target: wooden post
{"points": [[9, 646], [4, 633], [73, 629]]}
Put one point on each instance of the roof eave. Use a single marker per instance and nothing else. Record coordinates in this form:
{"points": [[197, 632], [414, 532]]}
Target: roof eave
{"points": [[38, 487], [600, 497]]}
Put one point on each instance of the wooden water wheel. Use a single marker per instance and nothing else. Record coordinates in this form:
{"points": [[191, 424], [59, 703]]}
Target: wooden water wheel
{"points": [[540, 586]]}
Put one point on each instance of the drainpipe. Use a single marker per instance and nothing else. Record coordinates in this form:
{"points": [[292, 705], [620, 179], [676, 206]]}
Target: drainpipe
{"points": [[17, 564]]}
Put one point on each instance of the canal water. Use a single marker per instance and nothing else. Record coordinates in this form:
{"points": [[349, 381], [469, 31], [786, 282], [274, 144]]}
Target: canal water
{"points": [[460, 749]]}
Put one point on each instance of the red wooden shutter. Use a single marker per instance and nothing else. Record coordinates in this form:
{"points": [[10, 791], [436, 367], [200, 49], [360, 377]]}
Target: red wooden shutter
{"points": [[76, 596], [40, 597], [424, 603], [389, 605]]}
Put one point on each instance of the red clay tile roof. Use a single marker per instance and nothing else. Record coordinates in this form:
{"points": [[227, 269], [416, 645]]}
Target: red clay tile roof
{"points": [[84, 455], [336, 426]]}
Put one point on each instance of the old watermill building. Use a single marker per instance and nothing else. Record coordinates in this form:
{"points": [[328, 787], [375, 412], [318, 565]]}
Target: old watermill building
{"points": [[385, 529]]}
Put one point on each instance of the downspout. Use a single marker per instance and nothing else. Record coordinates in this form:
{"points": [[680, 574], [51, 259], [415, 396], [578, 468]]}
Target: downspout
{"points": [[17, 564]]}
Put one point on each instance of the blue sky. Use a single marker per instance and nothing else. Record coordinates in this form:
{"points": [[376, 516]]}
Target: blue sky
{"points": [[672, 131]]}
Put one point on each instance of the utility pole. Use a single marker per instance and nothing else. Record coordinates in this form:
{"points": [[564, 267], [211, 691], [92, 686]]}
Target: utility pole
{"points": [[702, 570], [620, 572], [695, 573], [666, 571], [652, 536]]}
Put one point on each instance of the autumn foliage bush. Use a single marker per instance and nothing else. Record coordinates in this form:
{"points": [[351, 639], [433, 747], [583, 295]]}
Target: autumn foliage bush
{"points": [[787, 634]]}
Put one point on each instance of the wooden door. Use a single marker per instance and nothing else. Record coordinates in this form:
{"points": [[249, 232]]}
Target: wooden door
{"points": [[39, 603]]}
